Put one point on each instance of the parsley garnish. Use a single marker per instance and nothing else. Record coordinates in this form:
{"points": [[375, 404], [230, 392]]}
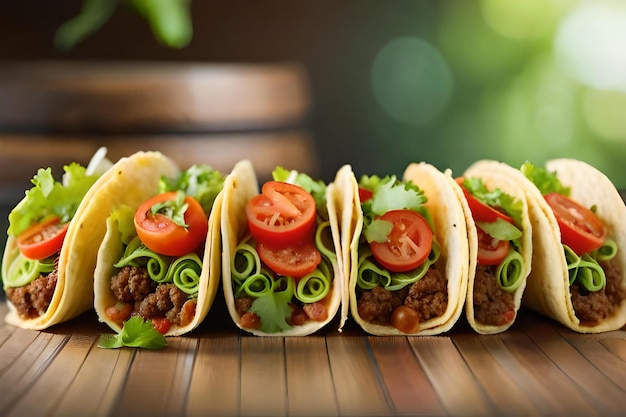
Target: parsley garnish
{"points": [[135, 333]]}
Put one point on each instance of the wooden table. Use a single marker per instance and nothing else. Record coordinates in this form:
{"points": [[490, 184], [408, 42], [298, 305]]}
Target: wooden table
{"points": [[538, 367]]}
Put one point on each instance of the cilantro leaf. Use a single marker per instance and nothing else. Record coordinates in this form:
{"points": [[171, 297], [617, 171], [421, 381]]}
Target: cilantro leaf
{"points": [[395, 195], [273, 313], [378, 230], [546, 181], [201, 182], [135, 333]]}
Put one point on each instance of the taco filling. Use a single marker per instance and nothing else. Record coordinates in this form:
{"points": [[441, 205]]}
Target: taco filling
{"points": [[158, 275], [595, 276], [500, 269], [282, 270], [398, 282], [39, 224]]}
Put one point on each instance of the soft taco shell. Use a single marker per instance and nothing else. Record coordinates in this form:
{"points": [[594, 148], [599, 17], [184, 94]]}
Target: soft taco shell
{"points": [[239, 187], [547, 290], [488, 172], [74, 293], [144, 172], [444, 203]]}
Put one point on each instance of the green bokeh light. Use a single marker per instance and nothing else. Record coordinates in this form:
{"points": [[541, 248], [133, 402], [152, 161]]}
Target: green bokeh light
{"points": [[411, 80]]}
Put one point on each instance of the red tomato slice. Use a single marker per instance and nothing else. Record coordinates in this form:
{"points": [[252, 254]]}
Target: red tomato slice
{"points": [[481, 212], [283, 214], [159, 232], [292, 261], [491, 251], [42, 239], [408, 244], [581, 229], [365, 194]]}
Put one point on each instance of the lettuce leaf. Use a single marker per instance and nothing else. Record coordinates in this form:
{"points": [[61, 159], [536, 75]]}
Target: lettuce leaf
{"points": [[199, 181], [495, 198], [546, 181], [49, 197]]}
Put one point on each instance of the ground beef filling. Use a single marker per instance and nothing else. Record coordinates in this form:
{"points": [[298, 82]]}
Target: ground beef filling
{"points": [[33, 299], [149, 299], [593, 307], [492, 305], [428, 296]]}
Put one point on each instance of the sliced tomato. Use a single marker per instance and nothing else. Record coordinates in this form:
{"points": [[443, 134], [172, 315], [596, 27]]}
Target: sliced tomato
{"points": [[283, 214], [293, 261], [408, 244], [161, 234], [491, 251], [365, 194], [42, 239], [482, 212], [581, 229]]}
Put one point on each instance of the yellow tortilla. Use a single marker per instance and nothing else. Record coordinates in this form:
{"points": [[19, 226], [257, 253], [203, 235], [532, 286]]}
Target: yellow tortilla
{"points": [[547, 290], [488, 172], [548, 286], [141, 180], [444, 203], [239, 187], [73, 294]]}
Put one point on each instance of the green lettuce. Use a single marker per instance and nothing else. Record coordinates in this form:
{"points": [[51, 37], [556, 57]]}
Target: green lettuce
{"points": [[49, 197], [546, 181]]}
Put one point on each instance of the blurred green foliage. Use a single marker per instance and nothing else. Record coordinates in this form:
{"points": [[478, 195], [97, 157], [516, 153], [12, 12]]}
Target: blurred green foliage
{"points": [[169, 20]]}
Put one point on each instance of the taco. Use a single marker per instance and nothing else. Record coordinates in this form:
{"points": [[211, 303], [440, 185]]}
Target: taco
{"points": [[408, 251], [53, 236], [281, 273], [160, 257], [500, 238], [578, 265]]}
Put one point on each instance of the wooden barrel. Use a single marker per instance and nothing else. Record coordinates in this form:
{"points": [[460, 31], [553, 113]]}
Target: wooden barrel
{"points": [[55, 112]]}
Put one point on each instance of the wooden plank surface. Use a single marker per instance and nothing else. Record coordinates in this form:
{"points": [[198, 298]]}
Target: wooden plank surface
{"points": [[536, 368]]}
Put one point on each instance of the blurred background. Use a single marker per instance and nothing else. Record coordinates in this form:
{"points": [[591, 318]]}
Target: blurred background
{"points": [[313, 85]]}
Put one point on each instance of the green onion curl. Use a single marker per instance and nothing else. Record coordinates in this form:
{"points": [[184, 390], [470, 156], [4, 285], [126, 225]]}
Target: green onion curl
{"points": [[585, 270], [246, 262], [510, 272], [314, 286], [23, 271], [607, 251], [370, 275], [258, 284], [137, 254], [324, 240], [185, 273]]}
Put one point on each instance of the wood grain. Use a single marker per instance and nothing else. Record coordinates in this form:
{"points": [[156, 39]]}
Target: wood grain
{"points": [[215, 384], [535, 368]]}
